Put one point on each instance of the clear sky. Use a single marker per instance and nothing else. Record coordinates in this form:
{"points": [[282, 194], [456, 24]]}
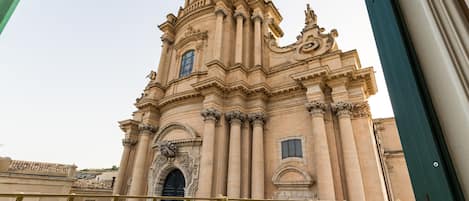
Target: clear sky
{"points": [[70, 69]]}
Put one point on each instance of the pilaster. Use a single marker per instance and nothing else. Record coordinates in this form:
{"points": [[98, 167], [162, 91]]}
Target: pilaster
{"points": [[353, 173], [257, 178], [235, 118]]}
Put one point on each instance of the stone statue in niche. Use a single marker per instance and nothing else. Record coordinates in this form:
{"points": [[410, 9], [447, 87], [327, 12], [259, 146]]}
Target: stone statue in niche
{"points": [[168, 149]]}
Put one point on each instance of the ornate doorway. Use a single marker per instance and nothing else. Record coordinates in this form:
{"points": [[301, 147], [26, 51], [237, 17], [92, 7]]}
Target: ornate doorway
{"points": [[174, 184]]}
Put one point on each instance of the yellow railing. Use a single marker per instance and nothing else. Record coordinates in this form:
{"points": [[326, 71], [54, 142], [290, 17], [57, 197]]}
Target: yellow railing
{"points": [[85, 197]]}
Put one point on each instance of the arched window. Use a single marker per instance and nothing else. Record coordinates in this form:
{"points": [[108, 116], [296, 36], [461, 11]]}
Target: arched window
{"points": [[186, 63], [292, 148]]}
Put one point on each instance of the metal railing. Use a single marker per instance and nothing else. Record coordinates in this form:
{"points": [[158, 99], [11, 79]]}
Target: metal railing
{"points": [[85, 197]]}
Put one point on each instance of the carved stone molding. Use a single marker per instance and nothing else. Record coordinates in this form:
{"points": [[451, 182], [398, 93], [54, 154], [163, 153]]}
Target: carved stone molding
{"points": [[240, 13], [257, 15], [221, 9], [343, 109], [129, 142], [361, 110], [257, 118], [316, 108], [168, 149], [187, 162], [147, 128], [299, 189], [235, 116], [211, 114], [191, 35]]}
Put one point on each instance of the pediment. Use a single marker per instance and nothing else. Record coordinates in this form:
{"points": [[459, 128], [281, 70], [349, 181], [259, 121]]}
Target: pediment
{"points": [[313, 41], [291, 176]]}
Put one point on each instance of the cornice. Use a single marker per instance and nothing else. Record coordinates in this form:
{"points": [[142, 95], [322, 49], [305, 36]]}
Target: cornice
{"points": [[191, 35], [146, 103], [194, 74], [186, 17], [178, 97], [128, 123]]}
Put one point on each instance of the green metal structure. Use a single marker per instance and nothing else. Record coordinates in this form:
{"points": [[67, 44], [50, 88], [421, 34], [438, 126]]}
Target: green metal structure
{"points": [[431, 171], [6, 10]]}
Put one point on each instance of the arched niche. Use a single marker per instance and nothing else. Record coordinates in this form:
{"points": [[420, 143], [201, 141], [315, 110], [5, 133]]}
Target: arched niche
{"points": [[174, 131], [293, 182], [186, 158]]}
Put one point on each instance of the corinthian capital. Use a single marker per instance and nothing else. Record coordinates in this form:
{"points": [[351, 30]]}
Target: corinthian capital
{"points": [[257, 118], [361, 110], [316, 108], [147, 128], [235, 116], [129, 142], [240, 13], [221, 9], [257, 15], [342, 108], [210, 114]]}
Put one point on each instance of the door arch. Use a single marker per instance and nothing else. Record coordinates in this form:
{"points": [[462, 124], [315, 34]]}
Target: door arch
{"points": [[174, 184]]}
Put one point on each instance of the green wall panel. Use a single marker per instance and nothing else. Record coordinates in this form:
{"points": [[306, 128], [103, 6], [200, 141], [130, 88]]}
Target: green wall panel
{"points": [[419, 130], [6, 10]]}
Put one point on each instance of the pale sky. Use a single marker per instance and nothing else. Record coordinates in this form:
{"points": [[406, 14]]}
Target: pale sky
{"points": [[70, 69]]}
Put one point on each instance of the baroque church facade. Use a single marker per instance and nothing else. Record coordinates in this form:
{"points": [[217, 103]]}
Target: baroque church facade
{"points": [[232, 113]]}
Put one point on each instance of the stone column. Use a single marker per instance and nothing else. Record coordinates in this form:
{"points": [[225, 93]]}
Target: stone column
{"points": [[220, 13], [138, 174], [353, 175], [257, 17], [235, 118], [246, 161], [211, 116], [127, 143], [257, 177], [325, 179], [239, 16], [162, 67]]}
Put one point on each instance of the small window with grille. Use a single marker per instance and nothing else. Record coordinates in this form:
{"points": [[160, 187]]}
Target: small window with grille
{"points": [[292, 148], [186, 63]]}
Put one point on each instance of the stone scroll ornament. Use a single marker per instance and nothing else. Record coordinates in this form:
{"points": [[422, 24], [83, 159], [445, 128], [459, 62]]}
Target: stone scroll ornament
{"points": [[211, 114], [313, 40], [168, 149]]}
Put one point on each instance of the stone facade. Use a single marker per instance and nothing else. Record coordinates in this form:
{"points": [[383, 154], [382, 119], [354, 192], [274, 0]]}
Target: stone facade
{"points": [[241, 116], [392, 158], [35, 177], [31, 177]]}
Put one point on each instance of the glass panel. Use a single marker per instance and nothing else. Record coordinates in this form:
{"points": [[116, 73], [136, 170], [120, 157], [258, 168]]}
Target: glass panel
{"points": [[187, 63], [284, 149], [298, 151], [291, 148]]}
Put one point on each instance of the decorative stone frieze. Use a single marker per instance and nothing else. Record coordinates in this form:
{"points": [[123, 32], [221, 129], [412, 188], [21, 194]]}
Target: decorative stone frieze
{"points": [[147, 128], [235, 116], [168, 149], [211, 114], [316, 108], [361, 110], [129, 142], [342, 108], [257, 118]]}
